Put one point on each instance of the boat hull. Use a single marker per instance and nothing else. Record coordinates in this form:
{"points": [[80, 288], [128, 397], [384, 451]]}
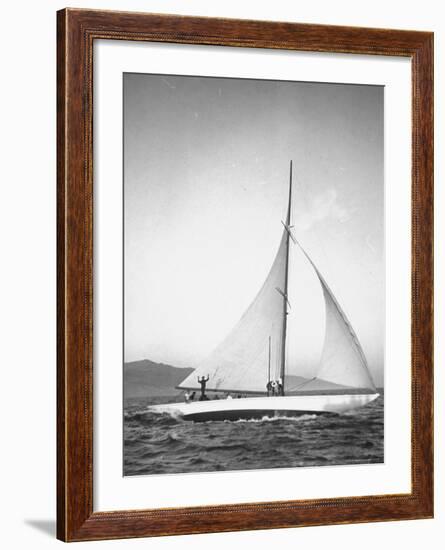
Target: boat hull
{"points": [[264, 407]]}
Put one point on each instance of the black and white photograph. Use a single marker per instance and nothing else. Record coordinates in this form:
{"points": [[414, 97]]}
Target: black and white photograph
{"points": [[254, 274], [223, 275]]}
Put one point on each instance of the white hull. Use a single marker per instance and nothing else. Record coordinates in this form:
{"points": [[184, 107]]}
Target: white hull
{"points": [[259, 407]]}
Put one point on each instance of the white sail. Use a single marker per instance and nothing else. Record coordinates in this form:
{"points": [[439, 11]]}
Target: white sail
{"points": [[241, 362], [252, 354], [342, 361]]}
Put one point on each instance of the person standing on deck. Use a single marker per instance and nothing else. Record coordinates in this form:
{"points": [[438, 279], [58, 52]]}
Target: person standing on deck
{"points": [[203, 381]]}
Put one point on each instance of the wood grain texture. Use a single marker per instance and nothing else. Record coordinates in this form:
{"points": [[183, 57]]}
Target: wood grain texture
{"points": [[76, 32]]}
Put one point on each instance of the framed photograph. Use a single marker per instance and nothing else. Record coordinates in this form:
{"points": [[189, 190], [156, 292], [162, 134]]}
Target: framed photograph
{"points": [[245, 228]]}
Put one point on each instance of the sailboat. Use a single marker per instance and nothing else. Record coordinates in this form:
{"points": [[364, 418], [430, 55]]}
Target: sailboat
{"points": [[248, 372]]}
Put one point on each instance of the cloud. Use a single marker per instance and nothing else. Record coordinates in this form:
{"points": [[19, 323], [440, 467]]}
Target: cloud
{"points": [[323, 207]]}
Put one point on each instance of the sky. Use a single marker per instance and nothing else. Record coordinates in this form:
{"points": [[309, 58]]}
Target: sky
{"points": [[206, 175]]}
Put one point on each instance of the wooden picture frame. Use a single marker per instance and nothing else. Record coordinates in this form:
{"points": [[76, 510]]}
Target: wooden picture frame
{"points": [[76, 32]]}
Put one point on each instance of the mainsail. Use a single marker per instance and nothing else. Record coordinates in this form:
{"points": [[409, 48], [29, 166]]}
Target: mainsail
{"points": [[241, 362], [254, 351]]}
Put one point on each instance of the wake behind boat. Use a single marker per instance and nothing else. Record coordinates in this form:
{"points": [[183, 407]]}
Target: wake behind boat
{"points": [[253, 360]]}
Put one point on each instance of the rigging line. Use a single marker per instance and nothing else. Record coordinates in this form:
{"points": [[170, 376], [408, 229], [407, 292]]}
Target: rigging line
{"points": [[287, 353], [283, 295], [288, 229], [252, 362], [305, 383], [279, 346]]}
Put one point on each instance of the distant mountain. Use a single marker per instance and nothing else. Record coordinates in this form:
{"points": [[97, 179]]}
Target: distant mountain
{"points": [[149, 379]]}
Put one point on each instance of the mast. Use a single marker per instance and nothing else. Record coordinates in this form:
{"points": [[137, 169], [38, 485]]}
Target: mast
{"points": [[268, 372], [235, 364], [286, 278]]}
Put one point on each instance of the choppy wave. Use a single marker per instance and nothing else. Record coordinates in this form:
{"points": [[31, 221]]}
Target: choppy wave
{"points": [[161, 443]]}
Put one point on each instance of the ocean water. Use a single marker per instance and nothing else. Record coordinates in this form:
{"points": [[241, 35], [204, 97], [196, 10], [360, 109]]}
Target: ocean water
{"points": [[162, 444]]}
